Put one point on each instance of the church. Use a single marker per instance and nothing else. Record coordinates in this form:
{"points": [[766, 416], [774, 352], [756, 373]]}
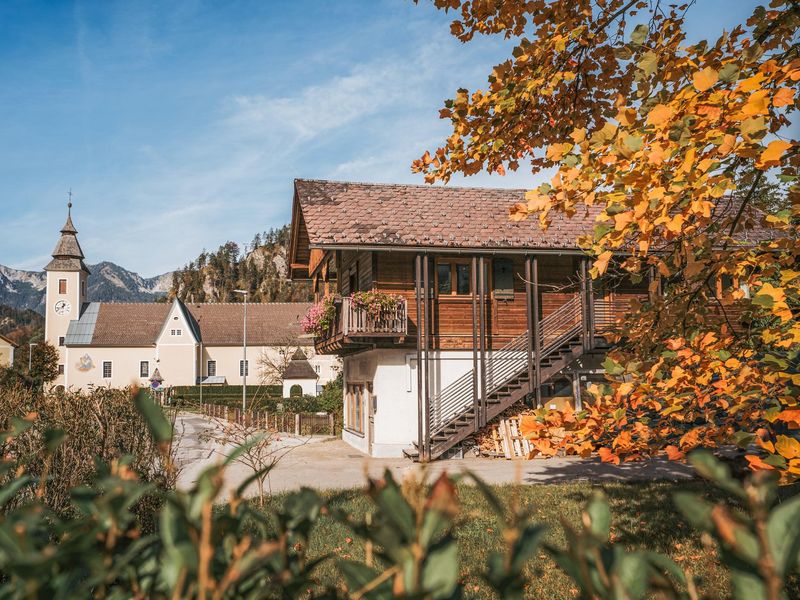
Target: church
{"points": [[166, 344]]}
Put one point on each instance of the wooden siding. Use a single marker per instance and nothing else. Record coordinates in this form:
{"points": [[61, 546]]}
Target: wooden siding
{"points": [[393, 272]]}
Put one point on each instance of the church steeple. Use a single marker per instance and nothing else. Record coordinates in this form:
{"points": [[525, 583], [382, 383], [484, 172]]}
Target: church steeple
{"points": [[68, 255]]}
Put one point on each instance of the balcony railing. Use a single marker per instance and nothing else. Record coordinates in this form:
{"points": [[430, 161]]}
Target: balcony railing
{"points": [[352, 321]]}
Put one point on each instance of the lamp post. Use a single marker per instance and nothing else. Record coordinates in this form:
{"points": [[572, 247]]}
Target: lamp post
{"points": [[244, 350], [30, 354]]}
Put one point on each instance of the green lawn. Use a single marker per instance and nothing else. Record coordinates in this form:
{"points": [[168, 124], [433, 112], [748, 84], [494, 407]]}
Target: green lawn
{"points": [[643, 516]]}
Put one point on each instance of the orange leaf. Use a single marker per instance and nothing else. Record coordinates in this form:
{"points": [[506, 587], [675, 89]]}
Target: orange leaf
{"points": [[528, 425], [673, 453], [783, 97], [788, 447], [601, 264], [704, 79], [757, 104], [773, 152], [660, 114], [757, 464], [606, 455]]}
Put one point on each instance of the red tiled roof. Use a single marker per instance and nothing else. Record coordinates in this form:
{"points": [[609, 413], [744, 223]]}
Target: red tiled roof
{"points": [[336, 213], [341, 213], [138, 324]]}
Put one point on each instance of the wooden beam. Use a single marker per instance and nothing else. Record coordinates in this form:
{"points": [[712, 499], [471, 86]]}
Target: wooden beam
{"points": [[475, 396], [420, 404], [482, 324], [529, 316], [590, 307], [584, 311], [537, 335], [427, 345]]}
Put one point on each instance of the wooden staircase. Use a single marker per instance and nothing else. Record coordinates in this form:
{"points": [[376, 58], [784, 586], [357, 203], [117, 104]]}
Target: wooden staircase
{"points": [[454, 415]]}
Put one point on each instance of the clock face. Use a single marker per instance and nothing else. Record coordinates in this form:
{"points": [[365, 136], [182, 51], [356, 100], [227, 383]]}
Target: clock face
{"points": [[62, 307]]}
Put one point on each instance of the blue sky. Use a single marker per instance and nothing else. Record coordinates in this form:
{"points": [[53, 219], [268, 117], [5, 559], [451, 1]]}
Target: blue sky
{"points": [[180, 125]]}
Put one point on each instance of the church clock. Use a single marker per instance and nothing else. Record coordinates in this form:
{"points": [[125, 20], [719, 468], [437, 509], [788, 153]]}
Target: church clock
{"points": [[62, 307]]}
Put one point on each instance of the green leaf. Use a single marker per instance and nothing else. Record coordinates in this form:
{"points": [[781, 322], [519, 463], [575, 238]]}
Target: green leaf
{"points": [[357, 575], [708, 467], [639, 34], [633, 143], [159, 427], [743, 438], [440, 573], [648, 63], [53, 439], [527, 545], [729, 73], [612, 367], [783, 529], [599, 516], [696, 510], [631, 571]]}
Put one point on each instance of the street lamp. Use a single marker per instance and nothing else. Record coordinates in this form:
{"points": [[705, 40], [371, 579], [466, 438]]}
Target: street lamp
{"points": [[244, 350], [30, 354]]}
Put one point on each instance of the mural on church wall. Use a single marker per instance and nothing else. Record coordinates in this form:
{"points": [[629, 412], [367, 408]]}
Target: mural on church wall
{"points": [[85, 364]]}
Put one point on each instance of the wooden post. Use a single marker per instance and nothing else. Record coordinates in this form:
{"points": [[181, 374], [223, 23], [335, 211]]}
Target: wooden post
{"points": [[576, 391], [482, 324], [590, 307], [475, 396], [427, 345], [420, 405], [529, 316], [331, 424], [297, 424], [584, 320], [537, 334]]}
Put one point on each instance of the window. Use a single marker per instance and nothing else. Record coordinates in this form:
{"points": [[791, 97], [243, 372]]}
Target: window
{"points": [[62, 286], [106, 369], [211, 368], [354, 408], [296, 391], [144, 369], [83, 289], [61, 340], [175, 332], [244, 368], [60, 369], [317, 369], [503, 278], [453, 278]]}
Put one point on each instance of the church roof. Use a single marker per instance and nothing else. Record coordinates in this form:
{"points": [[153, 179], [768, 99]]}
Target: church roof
{"points": [[68, 254], [139, 324]]}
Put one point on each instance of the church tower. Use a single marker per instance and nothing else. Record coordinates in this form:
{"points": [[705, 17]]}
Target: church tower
{"points": [[66, 288]]}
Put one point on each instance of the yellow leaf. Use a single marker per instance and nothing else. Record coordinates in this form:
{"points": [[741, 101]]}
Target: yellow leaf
{"points": [[660, 114], [757, 103], [751, 83], [704, 79], [675, 223], [783, 97], [601, 264], [626, 116], [773, 152], [578, 135], [788, 447]]}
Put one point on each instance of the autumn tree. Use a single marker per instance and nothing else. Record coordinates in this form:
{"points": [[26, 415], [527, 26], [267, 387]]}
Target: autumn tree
{"points": [[675, 144]]}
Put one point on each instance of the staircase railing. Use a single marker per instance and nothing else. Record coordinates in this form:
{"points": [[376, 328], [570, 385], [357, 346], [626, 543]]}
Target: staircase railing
{"points": [[505, 364]]}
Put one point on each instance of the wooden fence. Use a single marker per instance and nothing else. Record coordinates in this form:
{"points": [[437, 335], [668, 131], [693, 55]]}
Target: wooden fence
{"points": [[286, 422]]}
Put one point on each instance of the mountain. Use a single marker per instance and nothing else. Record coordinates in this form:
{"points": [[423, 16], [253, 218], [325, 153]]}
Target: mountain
{"points": [[261, 267], [107, 283]]}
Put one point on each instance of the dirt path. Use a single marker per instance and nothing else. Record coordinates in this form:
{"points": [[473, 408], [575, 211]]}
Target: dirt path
{"points": [[329, 463]]}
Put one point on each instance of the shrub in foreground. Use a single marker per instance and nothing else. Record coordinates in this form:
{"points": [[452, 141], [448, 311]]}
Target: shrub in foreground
{"points": [[240, 552]]}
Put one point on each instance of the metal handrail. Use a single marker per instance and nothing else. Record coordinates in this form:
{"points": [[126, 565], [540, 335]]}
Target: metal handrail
{"points": [[505, 364]]}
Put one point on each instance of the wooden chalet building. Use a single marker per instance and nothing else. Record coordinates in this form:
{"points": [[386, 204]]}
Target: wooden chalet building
{"points": [[489, 308]]}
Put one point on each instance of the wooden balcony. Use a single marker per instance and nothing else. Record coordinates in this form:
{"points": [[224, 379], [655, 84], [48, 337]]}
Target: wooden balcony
{"points": [[355, 328]]}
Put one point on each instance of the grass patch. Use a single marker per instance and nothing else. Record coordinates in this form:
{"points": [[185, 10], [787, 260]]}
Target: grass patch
{"points": [[644, 516]]}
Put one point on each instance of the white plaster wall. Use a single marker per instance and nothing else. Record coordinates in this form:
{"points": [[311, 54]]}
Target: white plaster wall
{"points": [[309, 386], [55, 326], [84, 366], [393, 374]]}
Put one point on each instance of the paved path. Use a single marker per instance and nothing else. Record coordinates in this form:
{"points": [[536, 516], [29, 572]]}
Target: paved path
{"points": [[329, 463]]}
